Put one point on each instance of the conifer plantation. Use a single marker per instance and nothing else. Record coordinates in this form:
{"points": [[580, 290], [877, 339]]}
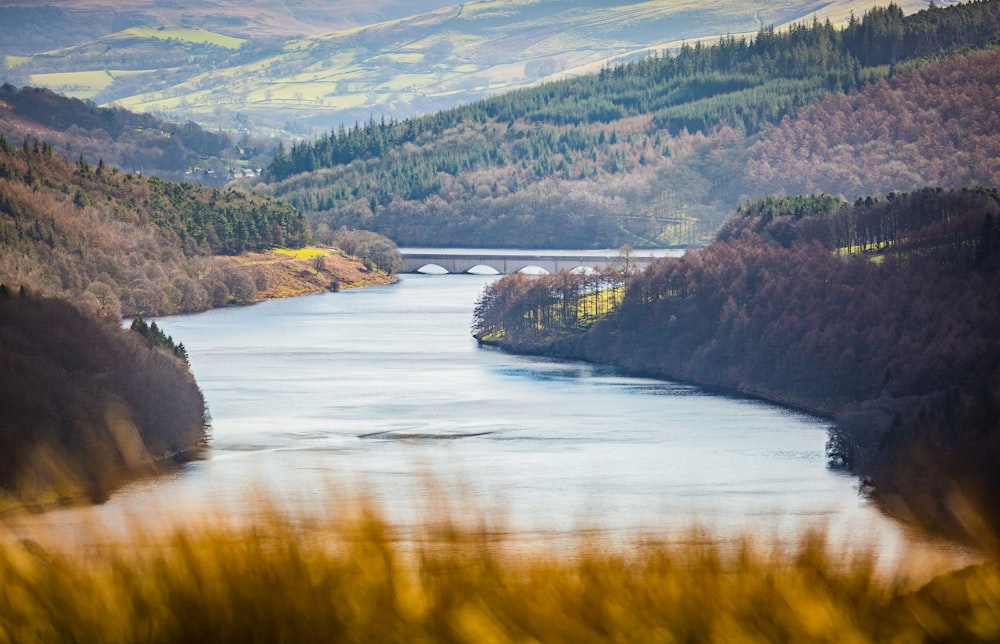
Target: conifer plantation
{"points": [[659, 151]]}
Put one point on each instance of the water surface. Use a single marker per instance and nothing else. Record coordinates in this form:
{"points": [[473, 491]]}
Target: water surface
{"points": [[383, 391]]}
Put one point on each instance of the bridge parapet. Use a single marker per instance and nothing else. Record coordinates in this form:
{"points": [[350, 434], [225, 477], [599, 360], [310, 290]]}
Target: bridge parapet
{"points": [[511, 263]]}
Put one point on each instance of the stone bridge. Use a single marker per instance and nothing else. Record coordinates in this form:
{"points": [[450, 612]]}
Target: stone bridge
{"points": [[503, 262]]}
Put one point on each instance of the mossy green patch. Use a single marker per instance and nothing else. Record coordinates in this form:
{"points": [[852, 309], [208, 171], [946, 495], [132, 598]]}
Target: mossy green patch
{"points": [[74, 82], [197, 36]]}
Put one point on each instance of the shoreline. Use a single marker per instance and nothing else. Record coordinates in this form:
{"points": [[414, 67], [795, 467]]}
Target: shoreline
{"points": [[282, 273], [12, 508], [889, 507], [310, 271], [718, 389]]}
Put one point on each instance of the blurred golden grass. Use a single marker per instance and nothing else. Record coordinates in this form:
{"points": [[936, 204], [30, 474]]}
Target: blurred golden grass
{"points": [[356, 578]]}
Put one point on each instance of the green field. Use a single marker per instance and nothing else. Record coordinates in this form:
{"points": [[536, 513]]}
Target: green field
{"points": [[403, 67], [81, 84], [14, 61], [199, 36]]}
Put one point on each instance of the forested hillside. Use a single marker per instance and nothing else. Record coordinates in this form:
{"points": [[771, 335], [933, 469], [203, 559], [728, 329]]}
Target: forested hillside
{"points": [[85, 405], [883, 313], [54, 24], [127, 140], [936, 126], [118, 243], [648, 153], [301, 67]]}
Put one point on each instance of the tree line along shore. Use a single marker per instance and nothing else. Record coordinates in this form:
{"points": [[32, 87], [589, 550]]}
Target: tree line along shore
{"points": [[882, 314]]}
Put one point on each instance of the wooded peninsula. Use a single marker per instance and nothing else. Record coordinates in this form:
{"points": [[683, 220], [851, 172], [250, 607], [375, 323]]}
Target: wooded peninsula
{"points": [[882, 313], [88, 405]]}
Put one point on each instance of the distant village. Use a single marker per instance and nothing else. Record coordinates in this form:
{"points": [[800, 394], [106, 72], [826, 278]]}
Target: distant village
{"points": [[240, 173]]}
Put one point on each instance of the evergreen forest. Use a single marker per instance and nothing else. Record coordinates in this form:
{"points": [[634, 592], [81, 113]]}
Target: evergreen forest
{"points": [[658, 151]]}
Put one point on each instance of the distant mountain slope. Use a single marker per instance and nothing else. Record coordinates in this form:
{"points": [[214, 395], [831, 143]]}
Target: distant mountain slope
{"points": [[433, 58], [31, 27], [655, 152], [130, 141]]}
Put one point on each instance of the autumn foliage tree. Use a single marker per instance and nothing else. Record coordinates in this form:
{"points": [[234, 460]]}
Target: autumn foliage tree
{"points": [[84, 405], [118, 243], [882, 313], [930, 127]]}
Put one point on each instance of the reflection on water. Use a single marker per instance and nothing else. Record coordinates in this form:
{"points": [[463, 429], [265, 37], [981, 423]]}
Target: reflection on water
{"points": [[383, 391]]}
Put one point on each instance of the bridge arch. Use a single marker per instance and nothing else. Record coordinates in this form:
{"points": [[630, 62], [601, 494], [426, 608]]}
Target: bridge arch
{"points": [[477, 261], [432, 269], [483, 269]]}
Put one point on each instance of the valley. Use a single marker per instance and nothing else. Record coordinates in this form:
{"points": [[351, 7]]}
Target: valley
{"points": [[225, 73]]}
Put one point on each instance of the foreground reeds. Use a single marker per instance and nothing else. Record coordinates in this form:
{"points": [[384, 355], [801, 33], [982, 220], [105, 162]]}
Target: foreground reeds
{"points": [[275, 579]]}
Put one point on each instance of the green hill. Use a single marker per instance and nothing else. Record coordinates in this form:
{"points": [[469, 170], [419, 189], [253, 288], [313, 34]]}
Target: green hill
{"points": [[195, 66], [658, 151], [32, 27]]}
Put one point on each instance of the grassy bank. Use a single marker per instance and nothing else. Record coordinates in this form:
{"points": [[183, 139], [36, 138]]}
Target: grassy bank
{"points": [[289, 273], [354, 578]]}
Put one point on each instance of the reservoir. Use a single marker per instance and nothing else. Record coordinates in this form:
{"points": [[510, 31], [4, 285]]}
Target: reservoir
{"points": [[382, 393]]}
